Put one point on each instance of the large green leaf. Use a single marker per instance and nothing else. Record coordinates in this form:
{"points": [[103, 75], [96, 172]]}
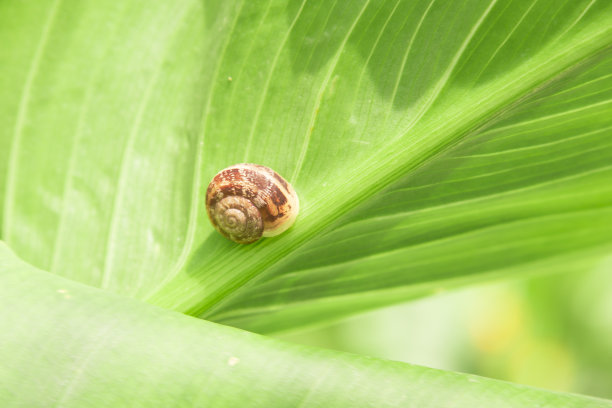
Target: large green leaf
{"points": [[65, 344], [455, 141]]}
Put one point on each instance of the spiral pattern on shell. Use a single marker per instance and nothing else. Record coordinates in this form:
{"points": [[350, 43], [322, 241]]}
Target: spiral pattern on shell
{"points": [[247, 201]]}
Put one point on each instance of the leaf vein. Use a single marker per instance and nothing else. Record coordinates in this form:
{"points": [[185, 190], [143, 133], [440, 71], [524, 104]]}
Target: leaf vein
{"points": [[11, 173], [320, 94]]}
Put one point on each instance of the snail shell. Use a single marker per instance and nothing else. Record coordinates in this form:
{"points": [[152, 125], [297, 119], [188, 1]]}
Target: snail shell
{"points": [[247, 201]]}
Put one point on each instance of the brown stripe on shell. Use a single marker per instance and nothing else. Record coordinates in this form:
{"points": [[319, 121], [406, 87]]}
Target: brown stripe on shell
{"points": [[281, 181], [263, 187]]}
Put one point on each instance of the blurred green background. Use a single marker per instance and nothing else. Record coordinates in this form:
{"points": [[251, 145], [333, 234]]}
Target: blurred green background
{"points": [[553, 332]]}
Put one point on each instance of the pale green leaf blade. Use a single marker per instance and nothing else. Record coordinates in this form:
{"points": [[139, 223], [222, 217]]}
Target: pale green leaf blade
{"points": [[68, 345], [100, 110]]}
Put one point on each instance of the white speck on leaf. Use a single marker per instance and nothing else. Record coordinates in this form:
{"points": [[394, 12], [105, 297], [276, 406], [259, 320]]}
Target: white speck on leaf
{"points": [[232, 361], [64, 292]]}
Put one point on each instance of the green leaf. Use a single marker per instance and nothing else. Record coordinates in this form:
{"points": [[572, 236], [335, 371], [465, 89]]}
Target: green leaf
{"points": [[457, 141], [66, 344]]}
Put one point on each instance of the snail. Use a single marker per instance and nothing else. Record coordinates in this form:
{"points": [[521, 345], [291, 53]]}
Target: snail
{"points": [[247, 201]]}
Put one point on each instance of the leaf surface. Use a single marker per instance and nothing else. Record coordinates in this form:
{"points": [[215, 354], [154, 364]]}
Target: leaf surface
{"points": [[65, 344]]}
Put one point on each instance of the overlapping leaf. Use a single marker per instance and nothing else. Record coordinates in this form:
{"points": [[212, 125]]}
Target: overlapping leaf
{"points": [[97, 349]]}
